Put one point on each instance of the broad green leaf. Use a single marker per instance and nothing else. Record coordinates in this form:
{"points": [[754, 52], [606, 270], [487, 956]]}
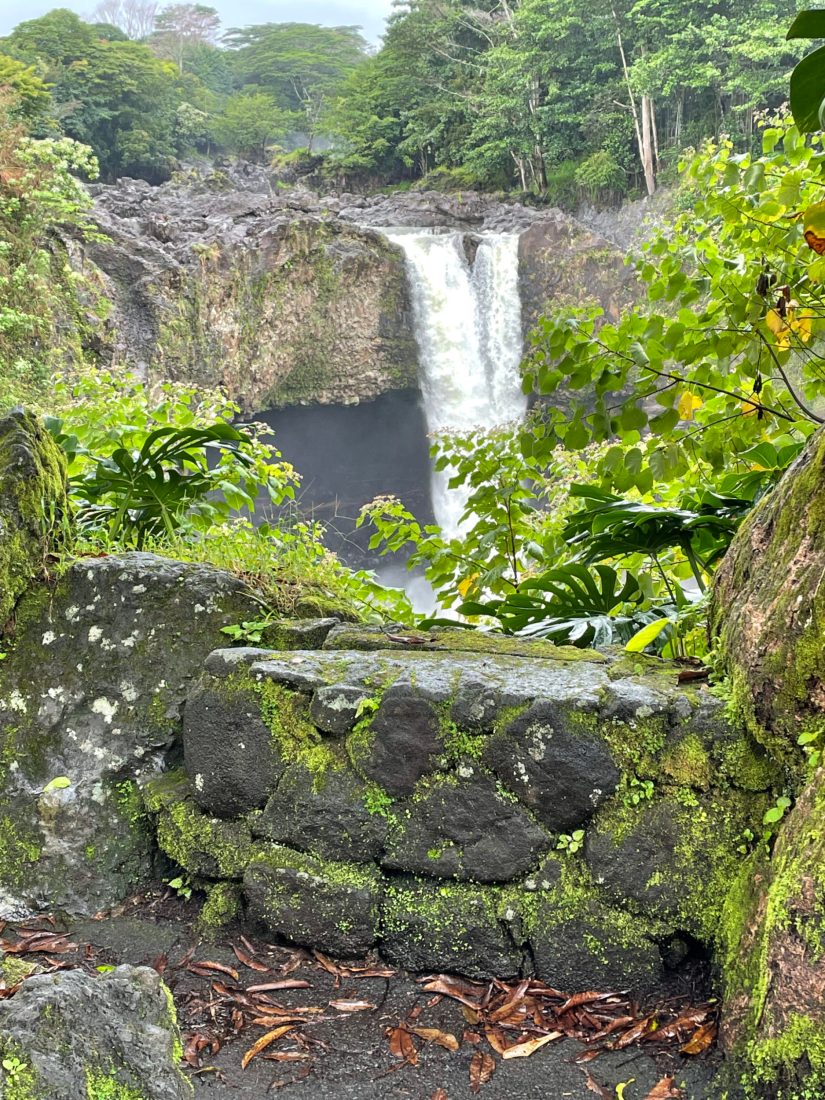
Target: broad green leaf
{"points": [[642, 639]]}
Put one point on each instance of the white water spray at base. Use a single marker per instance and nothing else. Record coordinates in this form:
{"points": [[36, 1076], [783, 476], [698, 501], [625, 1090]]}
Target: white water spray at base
{"points": [[467, 321]]}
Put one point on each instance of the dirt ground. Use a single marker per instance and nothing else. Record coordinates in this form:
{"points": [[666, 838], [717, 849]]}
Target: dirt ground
{"points": [[363, 1031]]}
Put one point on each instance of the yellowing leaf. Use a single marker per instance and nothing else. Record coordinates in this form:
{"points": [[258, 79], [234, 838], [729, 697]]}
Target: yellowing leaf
{"points": [[642, 638], [813, 222], [804, 324], [774, 321], [465, 585], [59, 783], [688, 404]]}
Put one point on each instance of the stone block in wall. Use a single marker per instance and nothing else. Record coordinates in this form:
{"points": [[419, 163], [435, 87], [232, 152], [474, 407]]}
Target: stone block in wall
{"points": [[463, 826], [336, 709], [328, 814], [673, 857], [404, 741], [332, 906], [454, 927], [230, 754], [549, 759]]}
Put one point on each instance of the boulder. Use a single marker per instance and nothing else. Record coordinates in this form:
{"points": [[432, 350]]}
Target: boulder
{"points": [[33, 504], [71, 1036], [768, 608], [90, 697]]}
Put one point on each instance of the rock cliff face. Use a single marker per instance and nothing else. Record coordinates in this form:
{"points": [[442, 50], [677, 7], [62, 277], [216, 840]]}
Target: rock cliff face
{"points": [[285, 297]]}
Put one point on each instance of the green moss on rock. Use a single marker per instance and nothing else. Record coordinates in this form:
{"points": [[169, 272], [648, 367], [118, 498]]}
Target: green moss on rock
{"points": [[223, 902], [772, 957], [199, 844], [768, 608], [33, 504]]}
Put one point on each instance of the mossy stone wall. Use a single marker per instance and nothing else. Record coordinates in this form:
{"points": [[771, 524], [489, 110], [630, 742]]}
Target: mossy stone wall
{"points": [[488, 813]]}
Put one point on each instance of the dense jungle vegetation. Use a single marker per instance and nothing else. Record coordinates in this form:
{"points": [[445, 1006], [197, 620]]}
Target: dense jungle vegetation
{"points": [[562, 98]]}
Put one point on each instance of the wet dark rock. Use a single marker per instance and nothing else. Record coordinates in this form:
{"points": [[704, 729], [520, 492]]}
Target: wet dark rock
{"points": [[448, 928], [594, 947], [327, 815], [77, 1035], [553, 765], [230, 754], [333, 907], [465, 828], [334, 709], [404, 741]]}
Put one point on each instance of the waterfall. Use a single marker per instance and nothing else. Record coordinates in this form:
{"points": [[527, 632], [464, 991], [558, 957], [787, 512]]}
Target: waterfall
{"points": [[468, 329]]}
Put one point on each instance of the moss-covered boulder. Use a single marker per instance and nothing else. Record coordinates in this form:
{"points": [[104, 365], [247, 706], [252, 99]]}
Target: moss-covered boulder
{"points": [[110, 1036], [768, 610], [33, 504], [90, 702], [773, 962]]}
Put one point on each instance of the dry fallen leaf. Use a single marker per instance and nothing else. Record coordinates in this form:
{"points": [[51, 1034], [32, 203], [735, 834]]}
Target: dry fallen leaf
{"points": [[433, 1035], [248, 961], [701, 1039], [264, 1042], [277, 1021], [530, 1046], [482, 1068], [664, 1090], [402, 1046], [594, 1086], [439, 1094], [205, 969], [288, 983], [353, 1006]]}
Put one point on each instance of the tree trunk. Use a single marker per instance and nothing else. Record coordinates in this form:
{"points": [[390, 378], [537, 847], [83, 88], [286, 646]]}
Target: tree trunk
{"points": [[644, 138], [646, 148]]}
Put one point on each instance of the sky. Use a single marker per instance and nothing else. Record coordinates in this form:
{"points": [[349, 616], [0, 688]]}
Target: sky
{"points": [[369, 14]]}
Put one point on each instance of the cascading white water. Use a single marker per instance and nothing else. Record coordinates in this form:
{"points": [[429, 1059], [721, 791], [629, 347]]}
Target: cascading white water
{"points": [[468, 329]]}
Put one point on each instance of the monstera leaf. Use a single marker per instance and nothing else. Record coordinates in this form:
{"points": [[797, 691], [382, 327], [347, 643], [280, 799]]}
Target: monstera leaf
{"points": [[572, 604], [808, 78]]}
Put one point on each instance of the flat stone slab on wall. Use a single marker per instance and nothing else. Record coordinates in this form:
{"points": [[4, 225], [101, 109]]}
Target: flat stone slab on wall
{"points": [[489, 813]]}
